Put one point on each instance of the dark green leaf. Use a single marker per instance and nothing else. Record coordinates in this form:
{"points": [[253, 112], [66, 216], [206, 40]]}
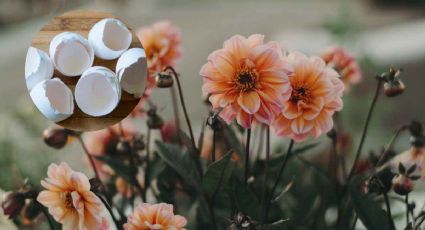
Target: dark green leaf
{"points": [[411, 169], [214, 177], [245, 200], [233, 141], [180, 160], [125, 171], [278, 225], [201, 136], [369, 211], [401, 168]]}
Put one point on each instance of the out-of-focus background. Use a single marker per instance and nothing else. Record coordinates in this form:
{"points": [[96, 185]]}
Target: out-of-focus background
{"points": [[379, 32]]}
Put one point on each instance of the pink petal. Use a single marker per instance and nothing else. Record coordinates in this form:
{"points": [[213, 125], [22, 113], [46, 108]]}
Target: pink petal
{"points": [[249, 101], [237, 46], [255, 40]]}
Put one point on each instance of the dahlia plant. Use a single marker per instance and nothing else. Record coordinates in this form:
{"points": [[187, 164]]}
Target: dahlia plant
{"points": [[230, 175]]}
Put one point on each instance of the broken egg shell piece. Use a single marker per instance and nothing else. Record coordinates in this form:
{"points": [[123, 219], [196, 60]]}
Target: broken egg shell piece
{"points": [[54, 99], [71, 53], [109, 38], [97, 92], [132, 71], [38, 67]]}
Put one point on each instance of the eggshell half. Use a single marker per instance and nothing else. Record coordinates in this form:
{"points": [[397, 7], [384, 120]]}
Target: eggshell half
{"points": [[71, 53], [109, 38], [97, 92], [38, 67], [54, 99], [132, 71]]}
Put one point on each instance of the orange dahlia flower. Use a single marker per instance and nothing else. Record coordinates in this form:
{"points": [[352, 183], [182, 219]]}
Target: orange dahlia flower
{"points": [[344, 63], [69, 199], [161, 42], [155, 216], [248, 79], [316, 95]]}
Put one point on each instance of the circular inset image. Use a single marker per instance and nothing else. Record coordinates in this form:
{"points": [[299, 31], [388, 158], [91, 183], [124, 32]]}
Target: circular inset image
{"points": [[85, 70]]}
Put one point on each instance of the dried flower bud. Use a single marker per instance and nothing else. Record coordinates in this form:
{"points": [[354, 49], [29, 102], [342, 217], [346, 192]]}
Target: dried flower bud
{"points": [[32, 210], [12, 203], [215, 122], [393, 88], [95, 185], [56, 137], [154, 121], [163, 80], [123, 147], [402, 185], [241, 222]]}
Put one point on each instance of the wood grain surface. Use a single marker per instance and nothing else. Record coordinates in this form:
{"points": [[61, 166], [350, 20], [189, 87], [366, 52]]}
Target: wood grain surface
{"points": [[81, 21]]}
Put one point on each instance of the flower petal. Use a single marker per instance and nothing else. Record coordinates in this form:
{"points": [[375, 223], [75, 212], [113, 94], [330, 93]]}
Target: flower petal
{"points": [[249, 101]]}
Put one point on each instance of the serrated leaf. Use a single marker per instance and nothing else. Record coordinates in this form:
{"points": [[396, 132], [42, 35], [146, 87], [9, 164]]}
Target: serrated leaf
{"points": [[123, 170], [369, 211], [179, 160], [214, 176]]}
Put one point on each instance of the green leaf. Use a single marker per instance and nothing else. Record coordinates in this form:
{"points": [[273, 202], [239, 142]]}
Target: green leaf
{"points": [[233, 141], [214, 176], [180, 160], [125, 171], [246, 200], [369, 211]]}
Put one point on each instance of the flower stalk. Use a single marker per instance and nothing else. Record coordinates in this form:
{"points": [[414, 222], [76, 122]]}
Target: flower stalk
{"points": [[248, 141]]}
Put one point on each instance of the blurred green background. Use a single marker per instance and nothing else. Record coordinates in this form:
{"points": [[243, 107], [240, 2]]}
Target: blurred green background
{"points": [[379, 32]]}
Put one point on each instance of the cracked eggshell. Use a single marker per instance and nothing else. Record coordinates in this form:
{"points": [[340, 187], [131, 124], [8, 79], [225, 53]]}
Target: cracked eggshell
{"points": [[98, 91], [71, 53], [54, 99], [132, 71], [38, 67], [109, 38]]}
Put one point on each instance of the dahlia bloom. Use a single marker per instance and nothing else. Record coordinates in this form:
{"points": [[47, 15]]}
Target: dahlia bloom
{"points": [[414, 155], [247, 79], [345, 64], [161, 42], [316, 95], [155, 216], [69, 199]]}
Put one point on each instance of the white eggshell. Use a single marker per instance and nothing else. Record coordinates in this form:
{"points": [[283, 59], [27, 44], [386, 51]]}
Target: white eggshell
{"points": [[132, 71], [109, 38], [71, 53], [54, 99], [98, 91], [38, 67]]}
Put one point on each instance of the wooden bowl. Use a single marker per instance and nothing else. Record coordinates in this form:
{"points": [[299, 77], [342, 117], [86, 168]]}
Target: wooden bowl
{"points": [[81, 21]]}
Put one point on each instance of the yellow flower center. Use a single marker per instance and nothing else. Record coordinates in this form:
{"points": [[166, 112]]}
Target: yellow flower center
{"points": [[246, 77], [300, 93]]}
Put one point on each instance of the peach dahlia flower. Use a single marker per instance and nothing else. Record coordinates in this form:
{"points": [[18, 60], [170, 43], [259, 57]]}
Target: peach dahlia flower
{"points": [[69, 199], [248, 79], [316, 95], [155, 216], [161, 42], [344, 63]]}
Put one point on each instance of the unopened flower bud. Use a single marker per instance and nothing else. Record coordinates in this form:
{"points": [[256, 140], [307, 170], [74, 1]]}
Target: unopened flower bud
{"points": [[12, 203], [56, 137], [123, 147], [402, 185], [393, 88], [163, 80]]}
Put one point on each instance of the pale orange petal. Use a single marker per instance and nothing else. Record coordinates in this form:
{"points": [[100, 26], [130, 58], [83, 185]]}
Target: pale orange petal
{"points": [[250, 102]]}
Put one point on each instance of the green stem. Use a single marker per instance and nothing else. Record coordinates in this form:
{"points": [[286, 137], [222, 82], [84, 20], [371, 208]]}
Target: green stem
{"points": [[279, 175], [389, 215], [266, 171], [147, 168], [248, 140], [406, 200], [214, 137], [108, 207]]}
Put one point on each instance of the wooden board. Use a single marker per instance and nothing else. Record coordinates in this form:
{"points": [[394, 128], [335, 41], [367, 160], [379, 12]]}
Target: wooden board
{"points": [[81, 21]]}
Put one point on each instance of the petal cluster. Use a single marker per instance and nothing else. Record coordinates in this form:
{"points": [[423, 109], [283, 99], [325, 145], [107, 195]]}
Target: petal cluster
{"points": [[69, 199], [247, 80], [315, 96], [345, 64], [155, 216]]}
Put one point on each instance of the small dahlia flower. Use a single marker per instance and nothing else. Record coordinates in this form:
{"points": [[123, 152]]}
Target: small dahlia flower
{"points": [[155, 216], [344, 63], [316, 95], [247, 79], [69, 199], [161, 42]]}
